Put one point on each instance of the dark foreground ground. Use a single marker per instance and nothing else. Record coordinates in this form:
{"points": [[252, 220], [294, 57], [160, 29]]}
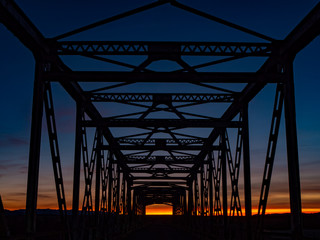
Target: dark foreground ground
{"points": [[159, 227]]}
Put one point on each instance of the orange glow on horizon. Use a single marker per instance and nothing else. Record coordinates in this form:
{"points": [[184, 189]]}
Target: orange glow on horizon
{"points": [[161, 209], [158, 209]]}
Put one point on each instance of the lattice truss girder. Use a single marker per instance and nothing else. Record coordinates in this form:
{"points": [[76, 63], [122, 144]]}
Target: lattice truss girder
{"points": [[206, 168]]}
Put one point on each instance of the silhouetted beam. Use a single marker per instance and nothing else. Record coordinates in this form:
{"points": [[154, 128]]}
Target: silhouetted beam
{"points": [[182, 123], [157, 148], [286, 47], [144, 141], [91, 48], [159, 170], [205, 77], [19, 24], [158, 184], [156, 97], [304, 33], [159, 158], [135, 178]]}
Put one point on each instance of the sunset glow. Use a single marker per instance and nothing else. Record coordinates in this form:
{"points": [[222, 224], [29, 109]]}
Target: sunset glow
{"points": [[158, 209]]}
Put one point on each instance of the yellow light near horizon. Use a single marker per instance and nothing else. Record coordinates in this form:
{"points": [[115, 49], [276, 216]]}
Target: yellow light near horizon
{"points": [[158, 209]]}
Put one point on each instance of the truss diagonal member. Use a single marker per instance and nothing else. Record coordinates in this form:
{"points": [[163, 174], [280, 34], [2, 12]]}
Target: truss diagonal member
{"points": [[216, 169], [219, 20], [103, 59], [88, 168], [104, 180], [271, 151], [234, 172], [55, 154], [110, 19]]}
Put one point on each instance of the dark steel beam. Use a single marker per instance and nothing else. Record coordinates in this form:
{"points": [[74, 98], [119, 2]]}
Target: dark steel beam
{"points": [[77, 166], [161, 178], [304, 33], [111, 19], [309, 24], [247, 172], [159, 170], [148, 184], [167, 141], [169, 49], [292, 153], [34, 151], [158, 98], [20, 25], [178, 77], [219, 20], [181, 123], [157, 148], [161, 159]]}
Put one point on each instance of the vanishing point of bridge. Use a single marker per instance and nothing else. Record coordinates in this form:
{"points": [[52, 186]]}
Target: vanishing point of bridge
{"points": [[161, 148]]}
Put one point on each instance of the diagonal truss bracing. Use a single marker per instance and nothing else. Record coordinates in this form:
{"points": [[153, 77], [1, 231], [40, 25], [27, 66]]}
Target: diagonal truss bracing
{"points": [[134, 165]]}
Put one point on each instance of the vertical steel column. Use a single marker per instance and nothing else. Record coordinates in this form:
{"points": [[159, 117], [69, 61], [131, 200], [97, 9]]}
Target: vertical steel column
{"points": [[202, 191], [129, 197], [190, 199], [224, 179], [118, 194], [110, 187], [77, 164], [98, 171], [246, 170], [185, 203], [210, 185], [292, 152], [34, 150]]}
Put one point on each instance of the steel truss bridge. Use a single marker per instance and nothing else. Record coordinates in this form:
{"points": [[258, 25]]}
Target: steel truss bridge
{"points": [[181, 158]]}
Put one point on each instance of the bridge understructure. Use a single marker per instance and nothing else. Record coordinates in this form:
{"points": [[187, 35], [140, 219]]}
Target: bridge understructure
{"points": [[161, 147]]}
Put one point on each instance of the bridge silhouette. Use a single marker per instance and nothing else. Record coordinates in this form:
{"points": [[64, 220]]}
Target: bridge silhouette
{"points": [[156, 150]]}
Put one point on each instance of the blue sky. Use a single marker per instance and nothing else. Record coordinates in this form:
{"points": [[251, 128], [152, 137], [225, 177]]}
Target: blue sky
{"points": [[273, 18]]}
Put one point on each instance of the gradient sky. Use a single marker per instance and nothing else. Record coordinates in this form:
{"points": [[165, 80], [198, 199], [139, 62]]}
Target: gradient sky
{"points": [[273, 18]]}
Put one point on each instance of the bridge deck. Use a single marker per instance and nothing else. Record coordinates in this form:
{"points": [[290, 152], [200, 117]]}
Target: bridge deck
{"points": [[160, 227]]}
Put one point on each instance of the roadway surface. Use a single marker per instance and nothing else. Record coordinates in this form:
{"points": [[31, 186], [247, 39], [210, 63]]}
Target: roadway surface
{"points": [[160, 228]]}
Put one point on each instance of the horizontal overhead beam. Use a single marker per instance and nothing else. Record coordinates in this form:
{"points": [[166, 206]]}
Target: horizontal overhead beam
{"points": [[136, 178], [188, 77], [159, 170], [164, 123], [139, 159], [159, 147], [158, 98], [144, 141], [91, 48]]}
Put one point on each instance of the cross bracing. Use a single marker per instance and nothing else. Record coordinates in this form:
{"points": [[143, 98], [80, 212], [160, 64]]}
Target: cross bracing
{"points": [[184, 157]]}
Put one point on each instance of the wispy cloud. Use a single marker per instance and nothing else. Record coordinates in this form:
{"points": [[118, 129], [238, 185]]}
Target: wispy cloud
{"points": [[9, 141]]}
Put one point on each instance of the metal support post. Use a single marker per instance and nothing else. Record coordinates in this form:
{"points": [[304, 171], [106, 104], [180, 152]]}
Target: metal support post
{"points": [[77, 165], [292, 153], [110, 179], [246, 171], [190, 198], [34, 151], [129, 197], [224, 183], [271, 151], [202, 191], [210, 186], [118, 194], [98, 172]]}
